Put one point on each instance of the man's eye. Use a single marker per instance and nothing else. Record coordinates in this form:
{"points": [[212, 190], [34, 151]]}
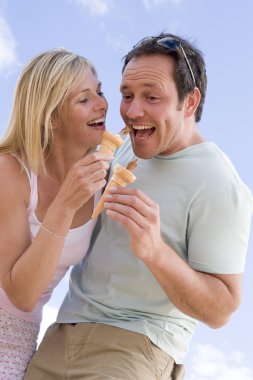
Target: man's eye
{"points": [[152, 98], [126, 97], [100, 93]]}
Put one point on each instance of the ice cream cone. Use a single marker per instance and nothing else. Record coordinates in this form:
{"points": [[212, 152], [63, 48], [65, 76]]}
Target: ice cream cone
{"points": [[124, 131], [120, 178], [110, 142]]}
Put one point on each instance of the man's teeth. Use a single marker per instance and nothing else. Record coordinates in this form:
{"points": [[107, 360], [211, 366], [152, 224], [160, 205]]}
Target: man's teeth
{"points": [[139, 127], [97, 121]]}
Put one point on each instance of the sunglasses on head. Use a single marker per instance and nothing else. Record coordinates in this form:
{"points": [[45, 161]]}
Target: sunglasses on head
{"points": [[172, 44]]}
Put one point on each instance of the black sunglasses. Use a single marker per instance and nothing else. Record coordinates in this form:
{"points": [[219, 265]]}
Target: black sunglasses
{"points": [[171, 44]]}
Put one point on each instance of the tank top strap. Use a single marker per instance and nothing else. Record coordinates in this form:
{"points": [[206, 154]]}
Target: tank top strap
{"points": [[32, 177]]}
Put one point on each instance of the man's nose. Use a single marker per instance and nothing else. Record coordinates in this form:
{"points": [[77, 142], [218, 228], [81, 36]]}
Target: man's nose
{"points": [[135, 110]]}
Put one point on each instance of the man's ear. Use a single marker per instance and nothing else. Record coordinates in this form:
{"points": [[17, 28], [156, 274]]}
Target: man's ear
{"points": [[192, 101]]}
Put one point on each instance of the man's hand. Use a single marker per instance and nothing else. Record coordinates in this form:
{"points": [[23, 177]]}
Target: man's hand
{"points": [[140, 216]]}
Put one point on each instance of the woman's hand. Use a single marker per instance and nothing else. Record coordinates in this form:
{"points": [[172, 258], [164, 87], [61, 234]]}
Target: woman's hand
{"points": [[84, 179]]}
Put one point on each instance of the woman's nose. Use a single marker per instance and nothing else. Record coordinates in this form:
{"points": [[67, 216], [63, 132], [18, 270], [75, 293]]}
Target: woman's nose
{"points": [[101, 103]]}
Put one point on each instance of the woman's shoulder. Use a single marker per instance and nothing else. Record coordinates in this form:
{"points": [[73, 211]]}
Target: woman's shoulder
{"points": [[13, 177], [13, 162], [9, 165]]}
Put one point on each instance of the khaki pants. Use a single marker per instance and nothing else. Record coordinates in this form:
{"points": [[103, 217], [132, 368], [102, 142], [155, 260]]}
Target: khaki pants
{"points": [[99, 352]]}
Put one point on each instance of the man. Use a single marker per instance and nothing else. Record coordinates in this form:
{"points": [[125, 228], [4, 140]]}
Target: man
{"points": [[172, 246]]}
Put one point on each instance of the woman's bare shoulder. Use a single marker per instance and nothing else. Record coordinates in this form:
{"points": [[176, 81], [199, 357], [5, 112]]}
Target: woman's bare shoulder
{"points": [[13, 180]]}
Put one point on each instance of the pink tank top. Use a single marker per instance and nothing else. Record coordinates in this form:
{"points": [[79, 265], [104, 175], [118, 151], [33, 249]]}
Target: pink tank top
{"points": [[74, 249]]}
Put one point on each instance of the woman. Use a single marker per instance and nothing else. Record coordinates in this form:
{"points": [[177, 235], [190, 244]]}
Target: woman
{"points": [[51, 179]]}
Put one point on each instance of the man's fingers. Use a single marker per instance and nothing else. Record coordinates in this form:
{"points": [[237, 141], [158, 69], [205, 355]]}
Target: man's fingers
{"points": [[131, 197], [133, 223]]}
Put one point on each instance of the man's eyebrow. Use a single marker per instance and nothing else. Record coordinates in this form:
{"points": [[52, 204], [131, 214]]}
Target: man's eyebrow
{"points": [[148, 85]]}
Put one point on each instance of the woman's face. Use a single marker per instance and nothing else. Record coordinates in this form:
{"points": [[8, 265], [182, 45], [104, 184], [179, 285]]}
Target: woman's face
{"points": [[81, 119]]}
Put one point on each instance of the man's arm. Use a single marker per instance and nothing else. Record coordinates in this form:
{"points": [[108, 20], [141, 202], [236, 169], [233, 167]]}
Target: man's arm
{"points": [[210, 298]]}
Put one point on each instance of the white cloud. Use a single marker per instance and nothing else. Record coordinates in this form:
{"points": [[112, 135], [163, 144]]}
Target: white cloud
{"points": [[150, 4], [98, 7], [49, 317], [8, 54], [209, 363]]}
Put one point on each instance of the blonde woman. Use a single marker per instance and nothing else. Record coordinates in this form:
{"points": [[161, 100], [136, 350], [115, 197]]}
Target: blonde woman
{"points": [[51, 179]]}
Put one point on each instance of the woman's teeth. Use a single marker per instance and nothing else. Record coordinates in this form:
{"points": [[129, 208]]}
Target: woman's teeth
{"points": [[97, 121]]}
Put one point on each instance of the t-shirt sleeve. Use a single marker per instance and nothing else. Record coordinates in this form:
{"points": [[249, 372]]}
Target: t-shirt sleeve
{"points": [[218, 232]]}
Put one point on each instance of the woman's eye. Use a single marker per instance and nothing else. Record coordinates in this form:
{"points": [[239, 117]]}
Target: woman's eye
{"points": [[100, 93], [83, 100]]}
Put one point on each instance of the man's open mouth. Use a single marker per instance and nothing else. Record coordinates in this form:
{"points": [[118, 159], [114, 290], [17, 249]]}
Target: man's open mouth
{"points": [[143, 131]]}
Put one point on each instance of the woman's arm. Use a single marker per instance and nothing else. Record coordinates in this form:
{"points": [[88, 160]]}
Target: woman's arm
{"points": [[27, 267]]}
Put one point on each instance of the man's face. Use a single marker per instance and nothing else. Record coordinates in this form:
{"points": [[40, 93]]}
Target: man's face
{"points": [[150, 106]]}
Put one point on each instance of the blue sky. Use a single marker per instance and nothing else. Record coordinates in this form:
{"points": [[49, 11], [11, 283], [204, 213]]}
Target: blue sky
{"points": [[103, 31]]}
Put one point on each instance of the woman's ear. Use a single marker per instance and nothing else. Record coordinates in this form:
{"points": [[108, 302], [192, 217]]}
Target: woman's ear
{"points": [[54, 117], [192, 102]]}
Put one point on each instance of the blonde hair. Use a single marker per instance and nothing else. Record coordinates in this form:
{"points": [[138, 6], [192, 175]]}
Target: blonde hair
{"points": [[42, 87]]}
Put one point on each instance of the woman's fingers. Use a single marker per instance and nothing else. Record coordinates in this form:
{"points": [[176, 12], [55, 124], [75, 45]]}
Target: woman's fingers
{"points": [[84, 179], [95, 157]]}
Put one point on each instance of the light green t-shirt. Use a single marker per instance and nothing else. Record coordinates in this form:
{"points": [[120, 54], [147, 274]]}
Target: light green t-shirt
{"points": [[205, 212]]}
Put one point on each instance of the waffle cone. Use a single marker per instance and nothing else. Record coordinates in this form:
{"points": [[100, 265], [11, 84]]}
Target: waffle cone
{"points": [[110, 142], [120, 178]]}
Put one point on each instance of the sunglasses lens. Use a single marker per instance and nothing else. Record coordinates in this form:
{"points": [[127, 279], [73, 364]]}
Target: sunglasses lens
{"points": [[169, 43]]}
